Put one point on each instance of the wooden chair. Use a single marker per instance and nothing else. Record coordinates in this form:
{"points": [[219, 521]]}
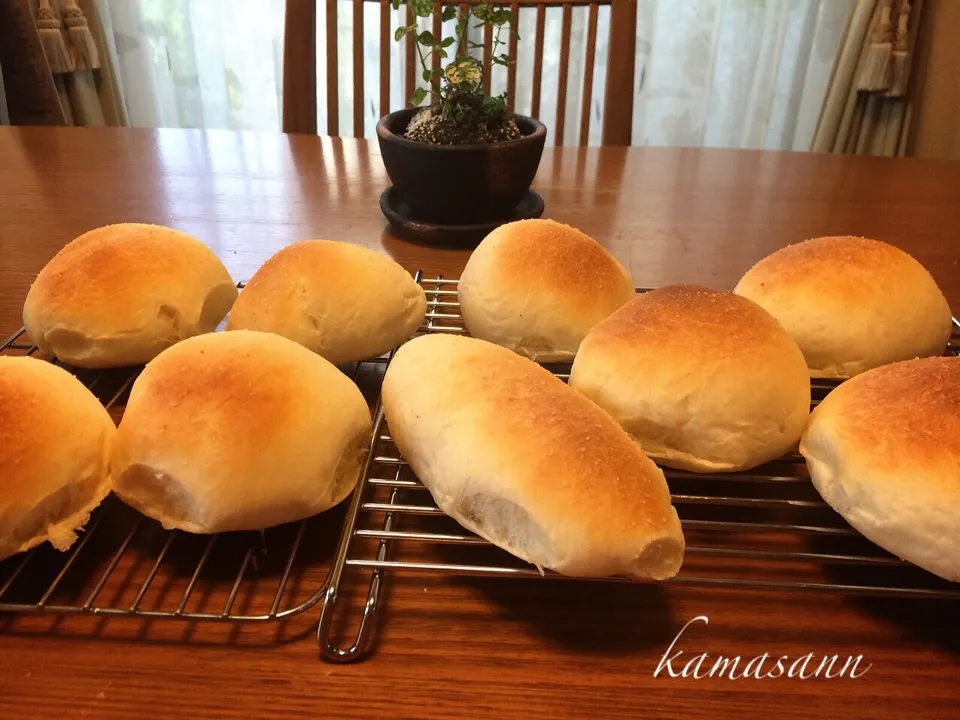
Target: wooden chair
{"points": [[300, 62]]}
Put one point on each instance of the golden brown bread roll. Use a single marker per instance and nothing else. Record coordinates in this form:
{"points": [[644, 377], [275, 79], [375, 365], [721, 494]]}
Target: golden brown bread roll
{"points": [[342, 301], [55, 444], [883, 449], [703, 379], [513, 454], [538, 286], [239, 430], [120, 294], [851, 303]]}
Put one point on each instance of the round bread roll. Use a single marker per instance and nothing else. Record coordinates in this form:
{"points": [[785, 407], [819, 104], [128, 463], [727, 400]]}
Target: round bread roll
{"points": [[342, 301], [239, 431], [55, 443], [513, 454], [883, 450], [120, 294], [537, 287], [703, 379], [851, 303]]}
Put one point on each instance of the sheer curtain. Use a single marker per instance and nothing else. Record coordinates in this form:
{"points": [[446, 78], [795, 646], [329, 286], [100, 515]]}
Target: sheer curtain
{"points": [[724, 73]]}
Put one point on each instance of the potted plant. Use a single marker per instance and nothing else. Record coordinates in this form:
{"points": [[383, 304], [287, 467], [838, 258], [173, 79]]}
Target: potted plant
{"points": [[466, 158]]}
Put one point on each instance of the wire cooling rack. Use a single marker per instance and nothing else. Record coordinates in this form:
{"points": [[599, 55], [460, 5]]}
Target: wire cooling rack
{"points": [[124, 564], [763, 529]]}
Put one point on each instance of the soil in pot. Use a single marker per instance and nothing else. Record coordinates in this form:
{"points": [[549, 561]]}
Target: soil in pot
{"points": [[427, 127], [467, 119]]}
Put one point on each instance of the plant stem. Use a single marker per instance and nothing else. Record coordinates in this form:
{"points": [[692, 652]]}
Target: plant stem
{"points": [[423, 62], [463, 48]]}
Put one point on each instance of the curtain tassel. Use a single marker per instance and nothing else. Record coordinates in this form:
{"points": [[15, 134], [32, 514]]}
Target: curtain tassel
{"points": [[901, 49], [51, 39], [875, 71], [84, 49]]}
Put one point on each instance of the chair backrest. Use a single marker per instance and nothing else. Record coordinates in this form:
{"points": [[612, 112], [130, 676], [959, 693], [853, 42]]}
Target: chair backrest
{"points": [[300, 61]]}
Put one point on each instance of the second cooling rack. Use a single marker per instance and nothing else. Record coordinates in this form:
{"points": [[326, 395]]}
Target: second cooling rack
{"points": [[763, 529]]}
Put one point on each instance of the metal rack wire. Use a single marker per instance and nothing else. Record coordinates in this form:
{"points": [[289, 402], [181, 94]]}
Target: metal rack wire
{"points": [[766, 529], [127, 565]]}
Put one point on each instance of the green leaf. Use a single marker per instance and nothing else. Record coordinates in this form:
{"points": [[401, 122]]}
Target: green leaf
{"points": [[442, 53], [509, 17], [449, 13], [418, 95], [447, 42], [399, 33], [396, 4], [474, 45], [437, 73], [425, 38], [421, 8], [426, 75]]}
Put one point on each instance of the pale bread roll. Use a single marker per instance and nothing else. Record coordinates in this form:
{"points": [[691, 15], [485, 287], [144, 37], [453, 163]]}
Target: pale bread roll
{"points": [[55, 443], [703, 379], [851, 303], [537, 287], [120, 294], [513, 454], [883, 449], [239, 431], [342, 301]]}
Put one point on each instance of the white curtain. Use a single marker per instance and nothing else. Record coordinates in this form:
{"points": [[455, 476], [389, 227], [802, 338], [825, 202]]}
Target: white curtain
{"points": [[739, 73], [717, 73]]}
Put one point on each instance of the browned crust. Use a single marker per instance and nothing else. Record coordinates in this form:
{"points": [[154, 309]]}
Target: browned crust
{"points": [[906, 416], [547, 254], [842, 269], [692, 320], [55, 440], [111, 266]]}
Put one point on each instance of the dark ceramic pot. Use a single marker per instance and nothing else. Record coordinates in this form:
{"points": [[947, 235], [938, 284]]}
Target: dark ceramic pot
{"points": [[460, 184]]}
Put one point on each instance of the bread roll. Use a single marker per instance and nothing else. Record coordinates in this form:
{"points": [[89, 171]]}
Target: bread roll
{"points": [[513, 454], [55, 443], [120, 294], [883, 449], [704, 380], [851, 303], [537, 287], [239, 431], [342, 301]]}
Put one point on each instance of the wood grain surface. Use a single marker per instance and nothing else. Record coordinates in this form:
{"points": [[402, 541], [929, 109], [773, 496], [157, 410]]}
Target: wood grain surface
{"points": [[452, 647]]}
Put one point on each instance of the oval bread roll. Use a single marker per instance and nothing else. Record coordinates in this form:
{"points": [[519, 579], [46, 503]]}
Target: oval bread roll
{"points": [[239, 431], [883, 450], [703, 379], [120, 294], [513, 454], [537, 287], [55, 443], [342, 301], [851, 303]]}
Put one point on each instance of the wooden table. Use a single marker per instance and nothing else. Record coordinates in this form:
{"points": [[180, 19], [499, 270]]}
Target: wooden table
{"points": [[478, 648]]}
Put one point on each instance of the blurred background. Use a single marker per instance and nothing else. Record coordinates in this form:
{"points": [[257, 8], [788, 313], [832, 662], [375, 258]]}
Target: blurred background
{"points": [[773, 74]]}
